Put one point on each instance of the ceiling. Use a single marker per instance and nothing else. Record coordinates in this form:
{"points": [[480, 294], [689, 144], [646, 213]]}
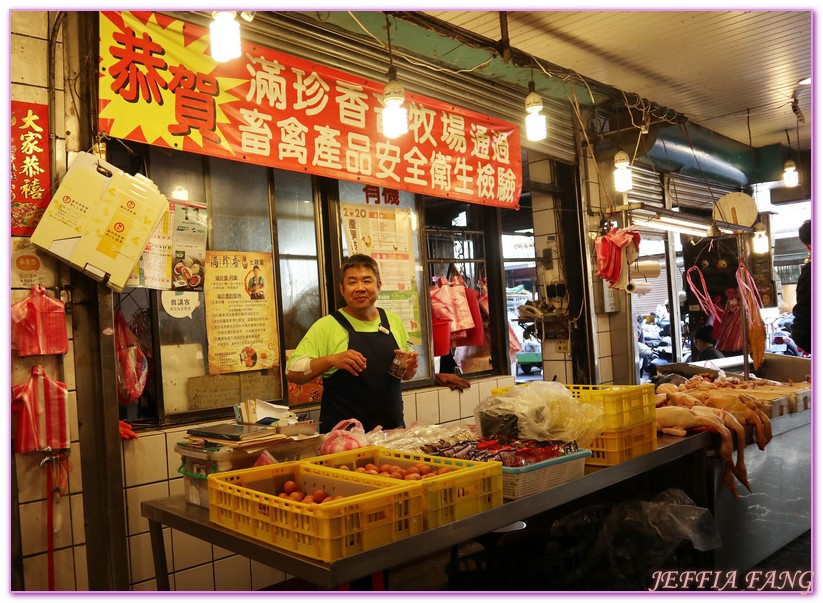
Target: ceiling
{"points": [[733, 72]]}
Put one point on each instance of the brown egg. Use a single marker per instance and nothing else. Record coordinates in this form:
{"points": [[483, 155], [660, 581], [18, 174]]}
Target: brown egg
{"points": [[412, 476], [385, 468], [308, 499], [344, 467], [396, 475], [424, 469], [289, 487], [372, 467], [296, 495], [319, 496]]}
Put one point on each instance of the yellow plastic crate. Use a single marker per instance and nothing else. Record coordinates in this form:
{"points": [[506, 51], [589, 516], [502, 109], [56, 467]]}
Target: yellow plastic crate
{"points": [[623, 405], [615, 446], [371, 514], [470, 488]]}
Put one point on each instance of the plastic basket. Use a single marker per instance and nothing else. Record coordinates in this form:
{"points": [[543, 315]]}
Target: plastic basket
{"points": [[371, 514], [619, 445], [522, 481], [472, 486]]}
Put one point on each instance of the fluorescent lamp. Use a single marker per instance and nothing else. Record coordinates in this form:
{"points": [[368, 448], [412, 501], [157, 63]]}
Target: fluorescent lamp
{"points": [[658, 224], [622, 173], [535, 121], [790, 175], [225, 36], [395, 116]]}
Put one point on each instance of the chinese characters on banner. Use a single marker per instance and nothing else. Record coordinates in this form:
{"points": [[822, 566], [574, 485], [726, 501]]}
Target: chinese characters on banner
{"points": [[159, 84], [240, 324], [30, 168], [385, 233]]}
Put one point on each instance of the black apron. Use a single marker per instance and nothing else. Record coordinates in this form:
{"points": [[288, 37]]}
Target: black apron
{"points": [[373, 397]]}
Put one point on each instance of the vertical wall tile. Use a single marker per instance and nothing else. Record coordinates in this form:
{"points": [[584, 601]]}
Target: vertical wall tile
{"points": [[199, 578], [31, 479], [68, 367], [189, 551], [78, 524], [74, 429], [232, 573], [469, 399], [34, 24], [602, 323], [134, 496], [177, 486], [505, 381], [76, 469], [36, 574], [604, 344], [606, 374], [141, 559], [449, 402], [409, 409], [81, 568], [428, 412], [145, 459], [484, 388], [33, 523], [263, 576]]}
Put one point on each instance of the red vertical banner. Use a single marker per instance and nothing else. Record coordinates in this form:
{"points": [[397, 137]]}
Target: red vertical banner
{"points": [[30, 169]]}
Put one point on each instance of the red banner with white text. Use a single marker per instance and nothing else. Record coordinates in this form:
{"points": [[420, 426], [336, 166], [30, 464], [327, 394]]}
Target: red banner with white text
{"points": [[160, 85]]}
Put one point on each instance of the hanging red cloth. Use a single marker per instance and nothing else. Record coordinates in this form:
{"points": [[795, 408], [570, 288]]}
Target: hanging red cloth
{"points": [[43, 410], [38, 325]]}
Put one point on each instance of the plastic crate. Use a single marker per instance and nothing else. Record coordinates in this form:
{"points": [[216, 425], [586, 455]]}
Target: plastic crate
{"points": [[619, 445], [371, 514], [198, 463], [522, 481], [472, 486], [623, 405]]}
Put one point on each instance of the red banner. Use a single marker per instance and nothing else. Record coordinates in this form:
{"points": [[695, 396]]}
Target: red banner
{"points": [[159, 85], [30, 167]]}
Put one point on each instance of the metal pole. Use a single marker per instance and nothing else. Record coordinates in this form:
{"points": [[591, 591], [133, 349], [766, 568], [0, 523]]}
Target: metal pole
{"points": [[742, 256]]}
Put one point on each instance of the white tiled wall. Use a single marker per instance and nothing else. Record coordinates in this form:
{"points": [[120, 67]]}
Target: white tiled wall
{"points": [[150, 467]]}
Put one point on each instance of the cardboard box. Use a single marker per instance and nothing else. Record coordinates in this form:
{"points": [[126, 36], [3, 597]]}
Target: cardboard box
{"points": [[100, 220]]}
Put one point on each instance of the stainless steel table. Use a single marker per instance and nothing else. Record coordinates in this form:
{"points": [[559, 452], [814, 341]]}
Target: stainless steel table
{"points": [[179, 515]]}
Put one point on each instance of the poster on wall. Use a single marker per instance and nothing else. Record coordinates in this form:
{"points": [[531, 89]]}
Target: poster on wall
{"points": [[191, 229], [240, 324], [153, 269], [385, 233], [159, 85], [30, 167]]}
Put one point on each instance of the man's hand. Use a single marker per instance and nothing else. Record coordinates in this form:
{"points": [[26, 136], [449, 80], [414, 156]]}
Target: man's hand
{"points": [[350, 360], [453, 382]]}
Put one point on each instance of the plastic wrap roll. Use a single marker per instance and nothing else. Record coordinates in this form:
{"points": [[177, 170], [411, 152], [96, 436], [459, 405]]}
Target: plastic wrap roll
{"points": [[640, 288], [647, 269]]}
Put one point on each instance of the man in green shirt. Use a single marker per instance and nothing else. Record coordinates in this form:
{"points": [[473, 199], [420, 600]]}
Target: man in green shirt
{"points": [[353, 349]]}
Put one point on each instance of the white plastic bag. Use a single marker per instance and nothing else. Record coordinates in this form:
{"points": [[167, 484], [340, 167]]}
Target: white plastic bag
{"points": [[346, 435]]}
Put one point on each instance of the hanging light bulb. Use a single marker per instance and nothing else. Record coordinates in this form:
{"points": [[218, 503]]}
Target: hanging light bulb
{"points": [[225, 36], [395, 116], [622, 173], [760, 240], [790, 175], [535, 121]]}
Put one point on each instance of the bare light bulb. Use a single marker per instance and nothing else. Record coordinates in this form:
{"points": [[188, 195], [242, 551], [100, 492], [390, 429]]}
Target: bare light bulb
{"points": [[225, 36], [760, 241], [622, 172]]}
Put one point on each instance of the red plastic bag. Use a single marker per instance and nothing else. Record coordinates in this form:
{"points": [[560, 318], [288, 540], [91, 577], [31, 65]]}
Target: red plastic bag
{"points": [[38, 325], [132, 365], [346, 435], [449, 302]]}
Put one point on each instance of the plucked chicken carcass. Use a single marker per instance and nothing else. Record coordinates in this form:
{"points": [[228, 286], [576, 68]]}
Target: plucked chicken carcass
{"points": [[676, 420], [746, 409]]}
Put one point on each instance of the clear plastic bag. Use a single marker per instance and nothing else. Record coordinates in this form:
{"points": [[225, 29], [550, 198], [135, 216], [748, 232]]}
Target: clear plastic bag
{"points": [[540, 410]]}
